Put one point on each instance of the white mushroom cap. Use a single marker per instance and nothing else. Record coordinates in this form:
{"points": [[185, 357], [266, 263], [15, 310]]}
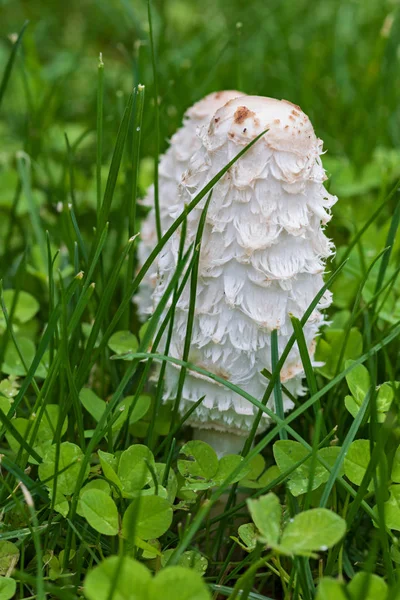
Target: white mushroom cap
{"points": [[172, 165], [262, 258]]}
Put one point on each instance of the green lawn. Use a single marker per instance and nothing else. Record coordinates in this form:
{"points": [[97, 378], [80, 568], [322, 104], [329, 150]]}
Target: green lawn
{"points": [[97, 499]]}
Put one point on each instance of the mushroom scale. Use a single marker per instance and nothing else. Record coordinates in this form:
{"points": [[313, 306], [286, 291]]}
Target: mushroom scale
{"points": [[171, 168], [262, 259]]}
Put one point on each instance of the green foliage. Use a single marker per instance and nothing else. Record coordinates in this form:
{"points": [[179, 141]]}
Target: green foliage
{"points": [[357, 460], [118, 575], [204, 470], [23, 305], [100, 511], [102, 491], [123, 342], [365, 585], [328, 350], [203, 463], [148, 518], [172, 583], [308, 532], [135, 469], [248, 537], [7, 588], [9, 557], [358, 381], [392, 508], [61, 466], [190, 559], [287, 454]]}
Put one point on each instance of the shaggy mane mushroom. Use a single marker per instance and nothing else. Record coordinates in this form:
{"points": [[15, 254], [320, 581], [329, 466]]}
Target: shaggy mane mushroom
{"points": [[262, 260]]}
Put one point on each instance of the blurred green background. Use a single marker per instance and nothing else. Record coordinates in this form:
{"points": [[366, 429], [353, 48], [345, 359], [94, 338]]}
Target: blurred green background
{"points": [[339, 60]]}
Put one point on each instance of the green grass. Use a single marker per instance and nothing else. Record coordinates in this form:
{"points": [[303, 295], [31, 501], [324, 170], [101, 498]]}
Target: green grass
{"points": [[80, 141]]}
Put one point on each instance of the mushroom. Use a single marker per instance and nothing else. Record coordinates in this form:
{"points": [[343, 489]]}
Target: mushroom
{"points": [[262, 260], [172, 166]]}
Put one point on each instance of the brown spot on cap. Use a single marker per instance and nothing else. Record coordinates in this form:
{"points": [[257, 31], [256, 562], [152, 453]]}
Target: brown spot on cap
{"points": [[216, 119], [241, 114], [295, 113], [277, 121], [291, 104]]}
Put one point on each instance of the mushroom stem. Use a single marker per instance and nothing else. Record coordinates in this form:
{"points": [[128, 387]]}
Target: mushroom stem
{"points": [[223, 442]]}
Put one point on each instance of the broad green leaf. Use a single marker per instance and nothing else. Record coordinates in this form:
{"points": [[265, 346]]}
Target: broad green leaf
{"points": [[147, 518], [9, 387], [122, 342], [47, 428], [203, 461], [5, 404], [256, 466], [312, 531], [352, 405], [72, 553], [261, 480], [268, 476], [141, 407], [44, 434], [266, 513], [395, 553], [109, 466], [384, 400], [133, 468], [93, 404], [392, 508], [13, 364], [26, 308], [330, 589], [8, 588], [357, 460], [227, 464], [55, 568], [191, 559], [172, 483], [178, 583], [183, 492], [358, 380], [138, 412], [70, 457], [94, 484], [396, 466], [49, 422], [287, 453], [100, 511], [375, 589], [61, 504], [151, 549], [9, 556], [132, 582], [248, 534]]}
